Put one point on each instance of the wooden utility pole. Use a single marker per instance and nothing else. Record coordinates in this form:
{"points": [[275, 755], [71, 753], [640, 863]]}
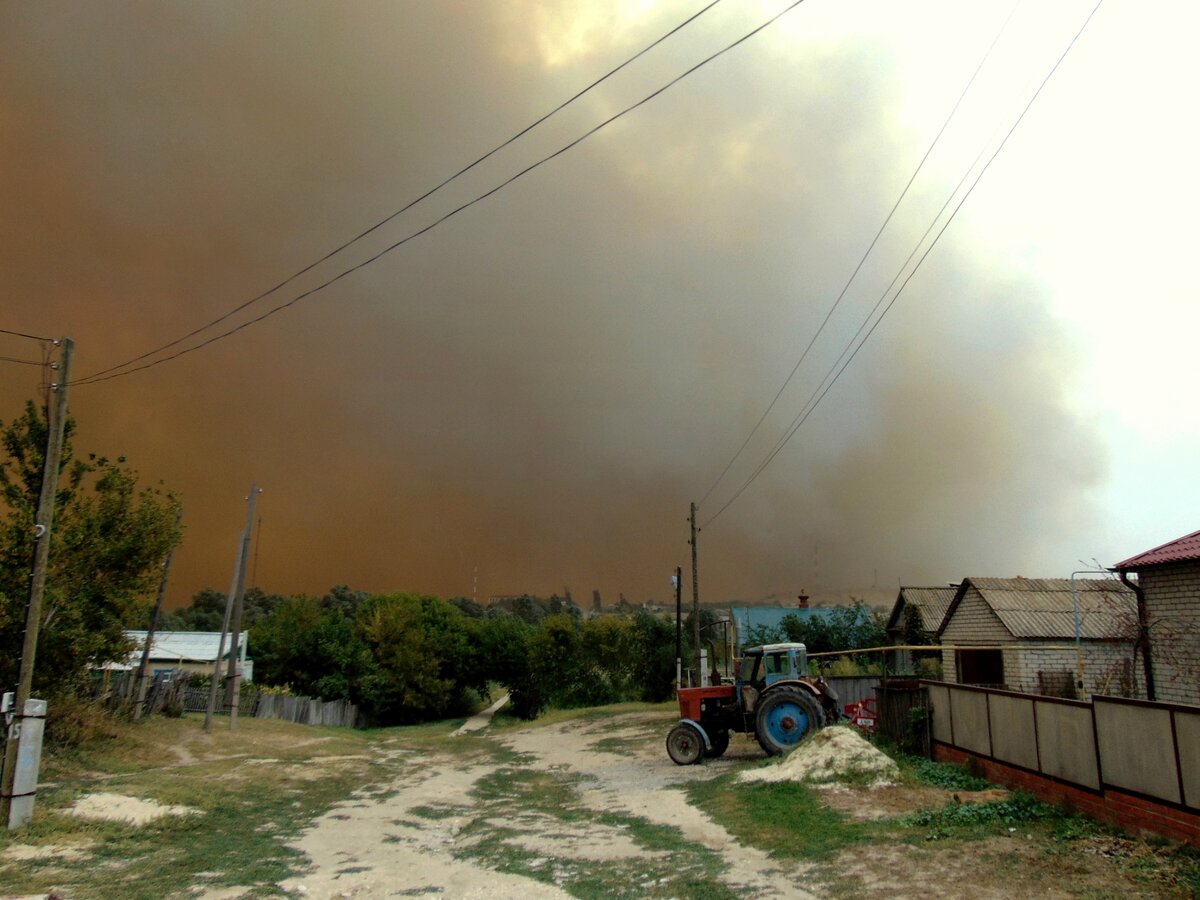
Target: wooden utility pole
{"points": [[56, 421], [235, 667], [143, 669], [695, 594]]}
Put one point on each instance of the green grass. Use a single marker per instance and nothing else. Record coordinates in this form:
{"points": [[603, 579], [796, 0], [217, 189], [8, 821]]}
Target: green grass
{"points": [[785, 819], [247, 813]]}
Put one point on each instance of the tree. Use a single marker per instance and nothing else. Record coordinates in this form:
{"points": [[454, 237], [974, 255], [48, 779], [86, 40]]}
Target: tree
{"points": [[345, 600], [312, 648], [108, 544], [504, 653], [205, 613], [423, 658]]}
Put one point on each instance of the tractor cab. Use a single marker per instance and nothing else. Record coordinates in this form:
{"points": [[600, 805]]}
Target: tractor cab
{"points": [[761, 667]]}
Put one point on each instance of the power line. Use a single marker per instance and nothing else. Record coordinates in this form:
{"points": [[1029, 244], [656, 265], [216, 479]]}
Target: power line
{"points": [[410, 204], [32, 337], [823, 392], [23, 362], [870, 247], [95, 379]]}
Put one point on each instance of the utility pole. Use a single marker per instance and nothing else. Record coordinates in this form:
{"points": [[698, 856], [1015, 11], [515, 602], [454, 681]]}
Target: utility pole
{"points": [[678, 582], [56, 421], [216, 672], [695, 593], [235, 668], [140, 696]]}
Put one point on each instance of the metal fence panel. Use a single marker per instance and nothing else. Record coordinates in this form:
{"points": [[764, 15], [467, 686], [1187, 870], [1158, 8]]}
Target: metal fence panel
{"points": [[1066, 744], [943, 727], [1187, 736], [1137, 748], [969, 709], [1013, 730]]}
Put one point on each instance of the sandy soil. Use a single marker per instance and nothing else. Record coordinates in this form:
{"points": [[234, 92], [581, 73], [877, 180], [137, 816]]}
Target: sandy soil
{"points": [[371, 847], [120, 808]]}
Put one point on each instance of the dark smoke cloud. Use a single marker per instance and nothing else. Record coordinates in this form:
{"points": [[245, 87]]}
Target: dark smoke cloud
{"points": [[537, 389]]}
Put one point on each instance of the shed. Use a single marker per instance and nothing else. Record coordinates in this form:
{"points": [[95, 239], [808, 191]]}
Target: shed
{"points": [[928, 604], [1020, 634], [1168, 578]]}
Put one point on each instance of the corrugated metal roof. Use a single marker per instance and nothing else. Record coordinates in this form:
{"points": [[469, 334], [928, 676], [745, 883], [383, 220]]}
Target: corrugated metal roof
{"points": [[1179, 550], [189, 646], [1044, 607], [931, 601]]}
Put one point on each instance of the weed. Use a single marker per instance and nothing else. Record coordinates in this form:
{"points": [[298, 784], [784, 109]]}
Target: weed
{"points": [[943, 775], [1020, 809]]}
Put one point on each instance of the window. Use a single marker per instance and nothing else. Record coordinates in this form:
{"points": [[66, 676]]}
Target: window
{"points": [[981, 667]]}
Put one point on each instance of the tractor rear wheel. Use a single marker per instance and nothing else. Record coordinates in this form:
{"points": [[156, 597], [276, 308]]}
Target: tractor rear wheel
{"points": [[720, 743], [785, 715], [685, 746]]}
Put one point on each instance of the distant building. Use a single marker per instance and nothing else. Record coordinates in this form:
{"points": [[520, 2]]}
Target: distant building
{"points": [[1168, 577], [192, 651], [1019, 634]]}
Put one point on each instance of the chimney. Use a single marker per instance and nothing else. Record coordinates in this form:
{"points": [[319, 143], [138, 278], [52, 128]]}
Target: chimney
{"points": [[803, 604]]}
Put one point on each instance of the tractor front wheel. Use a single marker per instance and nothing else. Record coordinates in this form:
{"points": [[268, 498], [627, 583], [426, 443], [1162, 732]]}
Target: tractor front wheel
{"points": [[720, 743], [785, 715], [685, 746]]}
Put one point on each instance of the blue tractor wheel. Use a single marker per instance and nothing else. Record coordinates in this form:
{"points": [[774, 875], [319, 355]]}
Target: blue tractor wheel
{"points": [[785, 715]]}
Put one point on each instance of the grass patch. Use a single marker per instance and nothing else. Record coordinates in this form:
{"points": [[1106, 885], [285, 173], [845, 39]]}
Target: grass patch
{"points": [[517, 808], [785, 819], [247, 812]]}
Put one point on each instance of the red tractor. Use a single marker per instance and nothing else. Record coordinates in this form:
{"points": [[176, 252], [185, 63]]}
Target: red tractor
{"points": [[772, 696]]}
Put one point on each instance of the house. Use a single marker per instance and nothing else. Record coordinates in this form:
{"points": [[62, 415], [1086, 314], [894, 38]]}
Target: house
{"points": [[1168, 582], [926, 608], [192, 651], [1021, 634]]}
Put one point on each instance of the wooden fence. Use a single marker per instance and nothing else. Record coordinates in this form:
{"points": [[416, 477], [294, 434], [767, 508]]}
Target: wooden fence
{"points": [[307, 711], [177, 690]]}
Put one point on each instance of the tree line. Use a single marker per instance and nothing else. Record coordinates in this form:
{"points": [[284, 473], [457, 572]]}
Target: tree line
{"points": [[400, 657]]}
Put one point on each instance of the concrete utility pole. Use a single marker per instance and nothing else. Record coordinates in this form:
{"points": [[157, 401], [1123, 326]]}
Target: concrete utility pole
{"points": [[56, 421], [143, 669], [677, 581], [695, 593], [216, 672], [235, 683]]}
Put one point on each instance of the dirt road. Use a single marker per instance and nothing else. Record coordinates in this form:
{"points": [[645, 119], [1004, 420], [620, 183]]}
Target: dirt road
{"points": [[593, 804]]}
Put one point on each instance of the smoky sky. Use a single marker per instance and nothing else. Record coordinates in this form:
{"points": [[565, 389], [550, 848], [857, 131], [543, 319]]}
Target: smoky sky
{"points": [[528, 397]]}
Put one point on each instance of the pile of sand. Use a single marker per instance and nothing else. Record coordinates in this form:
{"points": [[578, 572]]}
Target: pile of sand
{"points": [[831, 754], [119, 808]]}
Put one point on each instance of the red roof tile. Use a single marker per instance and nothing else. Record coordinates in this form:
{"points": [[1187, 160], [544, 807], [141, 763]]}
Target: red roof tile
{"points": [[1178, 550]]}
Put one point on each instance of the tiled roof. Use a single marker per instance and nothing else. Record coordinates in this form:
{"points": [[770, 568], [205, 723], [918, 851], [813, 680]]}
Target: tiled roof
{"points": [[1044, 607], [933, 602], [1179, 550]]}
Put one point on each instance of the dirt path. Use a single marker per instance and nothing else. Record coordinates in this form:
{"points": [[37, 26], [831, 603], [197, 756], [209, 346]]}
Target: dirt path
{"points": [[588, 802]]}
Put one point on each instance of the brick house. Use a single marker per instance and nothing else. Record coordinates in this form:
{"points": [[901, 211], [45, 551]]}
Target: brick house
{"points": [[1168, 580], [1019, 633]]}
